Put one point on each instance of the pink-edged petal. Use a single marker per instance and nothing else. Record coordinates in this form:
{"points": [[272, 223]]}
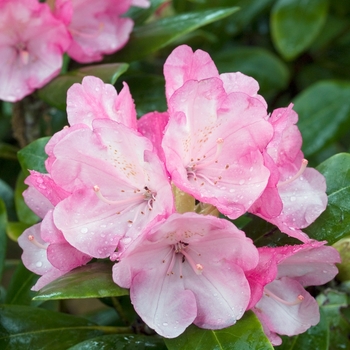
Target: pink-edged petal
{"points": [[239, 82], [37, 202], [152, 126], [282, 317], [47, 278], [140, 3], [171, 309], [183, 64], [93, 99]]}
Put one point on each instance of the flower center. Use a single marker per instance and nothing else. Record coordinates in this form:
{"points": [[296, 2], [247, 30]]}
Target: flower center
{"points": [[182, 248]]}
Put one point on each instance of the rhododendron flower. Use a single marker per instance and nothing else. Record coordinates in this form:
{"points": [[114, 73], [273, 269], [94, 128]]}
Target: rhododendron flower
{"points": [[97, 27], [45, 250], [295, 195], [117, 183], [32, 43], [188, 268], [278, 296], [216, 133]]}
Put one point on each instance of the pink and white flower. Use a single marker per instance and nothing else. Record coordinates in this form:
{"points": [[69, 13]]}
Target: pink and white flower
{"points": [[188, 268], [32, 43], [216, 133], [96, 26], [277, 283]]}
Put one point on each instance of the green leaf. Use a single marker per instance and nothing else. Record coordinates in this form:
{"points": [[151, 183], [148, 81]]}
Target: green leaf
{"points": [[24, 213], [334, 222], [8, 151], [55, 92], [331, 303], [6, 195], [19, 291], [90, 281], [343, 247], [139, 14], [24, 327], [33, 156], [121, 342], [324, 113], [249, 60], [155, 35], [315, 338], [3, 237], [296, 23], [246, 334]]}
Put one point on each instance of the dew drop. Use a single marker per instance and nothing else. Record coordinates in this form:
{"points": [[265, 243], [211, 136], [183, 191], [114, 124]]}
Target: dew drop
{"points": [[165, 323], [39, 264], [84, 230], [292, 199]]}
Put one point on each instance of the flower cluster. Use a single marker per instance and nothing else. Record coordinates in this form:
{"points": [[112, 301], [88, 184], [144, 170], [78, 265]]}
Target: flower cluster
{"points": [[33, 38], [147, 193]]}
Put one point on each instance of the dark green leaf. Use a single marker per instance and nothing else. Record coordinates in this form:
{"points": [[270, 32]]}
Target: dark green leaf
{"points": [[246, 334], [155, 35], [3, 237], [315, 338], [24, 327], [8, 151], [139, 14], [296, 23], [250, 60], [121, 342], [33, 156], [6, 194], [55, 92], [19, 291], [324, 113], [343, 247], [24, 213], [90, 281], [331, 303], [334, 223], [15, 229]]}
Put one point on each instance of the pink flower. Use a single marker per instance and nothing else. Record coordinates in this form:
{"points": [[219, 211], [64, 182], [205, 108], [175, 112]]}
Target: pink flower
{"points": [[32, 43], [278, 296], [45, 250], [295, 195], [216, 133], [97, 27], [117, 183], [188, 268]]}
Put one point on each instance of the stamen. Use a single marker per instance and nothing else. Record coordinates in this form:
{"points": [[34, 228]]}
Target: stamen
{"points": [[298, 300], [35, 242], [171, 265], [219, 145], [197, 268], [299, 173], [24, 55], [132, 199]]}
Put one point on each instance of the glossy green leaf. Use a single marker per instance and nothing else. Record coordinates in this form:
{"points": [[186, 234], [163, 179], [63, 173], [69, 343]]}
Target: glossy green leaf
{"points": [[343, 247], [6, 195], [90, 281], [250, 60], [24, 327], [296, 23], [24, 213], [121, 342], [155, 35], [246, 334], [19, 291], [334, 223], [332, 302], [139, 14], [315, 338], [33, 156], [3, 237], [324, 113], [55, 92]]}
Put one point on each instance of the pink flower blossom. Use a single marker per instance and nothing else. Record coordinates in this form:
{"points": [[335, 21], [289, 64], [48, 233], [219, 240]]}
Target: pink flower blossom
{"points": [[117, 183], [188, 268], [45, 250], [277, 283], [96, 26], [32, 43], [216, 133], [295, 195]]}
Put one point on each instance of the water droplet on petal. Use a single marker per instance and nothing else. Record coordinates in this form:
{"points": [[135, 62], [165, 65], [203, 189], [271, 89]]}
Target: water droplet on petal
{"points": [[84, 230], [292, 199], [39, 264], [165, 323]]}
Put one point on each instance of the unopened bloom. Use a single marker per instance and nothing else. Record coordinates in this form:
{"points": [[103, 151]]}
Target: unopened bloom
{"points": [[97, 27], [188, 268], [216, 133], [277, 283], [32, 43]]}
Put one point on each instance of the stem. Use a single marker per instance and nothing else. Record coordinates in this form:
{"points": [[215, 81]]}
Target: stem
{"points": [[120, 311], [114, 330]]}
